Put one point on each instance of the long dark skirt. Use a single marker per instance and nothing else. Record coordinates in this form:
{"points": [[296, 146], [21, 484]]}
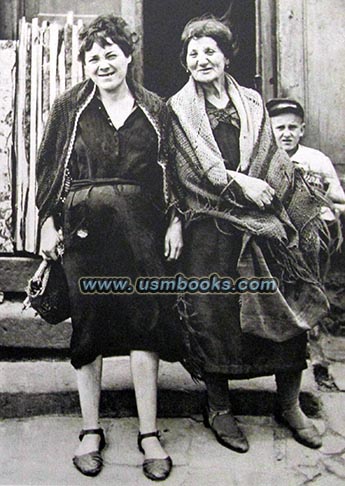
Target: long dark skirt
{"points": [[112, 233], [214, 338]]}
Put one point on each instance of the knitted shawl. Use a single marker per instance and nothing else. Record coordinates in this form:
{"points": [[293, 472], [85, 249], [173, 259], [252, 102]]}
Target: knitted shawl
{"points": [[290, 227], [59, 134]]}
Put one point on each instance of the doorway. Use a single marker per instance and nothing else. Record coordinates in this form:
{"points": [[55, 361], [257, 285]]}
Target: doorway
{"points": [[163, 25]]}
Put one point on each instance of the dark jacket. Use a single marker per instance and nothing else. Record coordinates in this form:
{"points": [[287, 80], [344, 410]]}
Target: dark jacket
{"points": [[59, 136]]}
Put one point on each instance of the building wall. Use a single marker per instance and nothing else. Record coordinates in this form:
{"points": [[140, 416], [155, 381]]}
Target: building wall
{"points": [[310, 67], [300, 52], [12, 11], [79, 7]]}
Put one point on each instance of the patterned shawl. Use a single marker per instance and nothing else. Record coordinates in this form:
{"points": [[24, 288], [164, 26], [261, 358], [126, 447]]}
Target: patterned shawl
{"points": [[291, 226]]}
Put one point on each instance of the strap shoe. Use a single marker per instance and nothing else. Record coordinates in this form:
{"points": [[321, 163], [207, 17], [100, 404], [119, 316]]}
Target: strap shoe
{"points": [[154, 469], [90, 464]]}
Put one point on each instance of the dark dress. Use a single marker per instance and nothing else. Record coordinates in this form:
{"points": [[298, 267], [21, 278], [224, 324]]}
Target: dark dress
{"points": [[114, 226], [216, 342]]}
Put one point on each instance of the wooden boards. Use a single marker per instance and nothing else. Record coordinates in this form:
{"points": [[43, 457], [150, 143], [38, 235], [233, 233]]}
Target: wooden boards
{"points": [[47, 66]]}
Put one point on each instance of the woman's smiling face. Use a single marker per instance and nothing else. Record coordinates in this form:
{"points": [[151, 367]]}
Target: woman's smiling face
{"points": [[205, 61], [107, 66]]}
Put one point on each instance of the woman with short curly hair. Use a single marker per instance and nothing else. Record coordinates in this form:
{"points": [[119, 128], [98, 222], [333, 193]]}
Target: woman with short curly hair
{"points": [[102, 179]]}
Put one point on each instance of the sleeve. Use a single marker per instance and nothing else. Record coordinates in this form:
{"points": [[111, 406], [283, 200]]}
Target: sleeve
{"points": [[335, 191], [47, 165]]}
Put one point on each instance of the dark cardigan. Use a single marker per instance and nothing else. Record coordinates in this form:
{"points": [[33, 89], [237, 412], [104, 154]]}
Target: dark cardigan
{"points": [[58, 140]]}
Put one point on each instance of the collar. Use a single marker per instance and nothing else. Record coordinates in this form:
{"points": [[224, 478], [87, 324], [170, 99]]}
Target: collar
{"points": [[143, 97]]}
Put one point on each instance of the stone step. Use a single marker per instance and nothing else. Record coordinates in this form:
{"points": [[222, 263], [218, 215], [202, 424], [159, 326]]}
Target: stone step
{"points": [[29, 388], [31, 384], [24, 329], [16, 271]]}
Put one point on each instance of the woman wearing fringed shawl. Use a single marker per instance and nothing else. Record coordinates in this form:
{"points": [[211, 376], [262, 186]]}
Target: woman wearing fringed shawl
{"points": [[247, 214]]}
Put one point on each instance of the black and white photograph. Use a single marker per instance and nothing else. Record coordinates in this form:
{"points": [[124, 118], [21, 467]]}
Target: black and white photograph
{"points": [[172, 255]]}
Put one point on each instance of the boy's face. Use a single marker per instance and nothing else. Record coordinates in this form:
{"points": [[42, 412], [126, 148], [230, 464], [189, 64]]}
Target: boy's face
{"points": [[288, 129]]}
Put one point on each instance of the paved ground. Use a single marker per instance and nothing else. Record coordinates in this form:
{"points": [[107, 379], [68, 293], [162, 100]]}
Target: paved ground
{"points": [[40, 425], [38, 451]]}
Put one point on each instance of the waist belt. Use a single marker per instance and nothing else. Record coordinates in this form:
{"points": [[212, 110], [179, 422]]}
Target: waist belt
{"points": [[120, 185]]}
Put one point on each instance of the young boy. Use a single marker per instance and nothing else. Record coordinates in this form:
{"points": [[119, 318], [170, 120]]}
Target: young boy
{"points": [[287, 117]]}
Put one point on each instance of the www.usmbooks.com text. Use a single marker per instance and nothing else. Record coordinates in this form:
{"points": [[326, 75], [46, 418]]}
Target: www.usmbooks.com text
{"points": [[176, 284]]}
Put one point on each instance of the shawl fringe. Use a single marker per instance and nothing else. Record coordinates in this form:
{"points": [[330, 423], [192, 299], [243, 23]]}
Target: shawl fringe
{"points": [[294, 214]]}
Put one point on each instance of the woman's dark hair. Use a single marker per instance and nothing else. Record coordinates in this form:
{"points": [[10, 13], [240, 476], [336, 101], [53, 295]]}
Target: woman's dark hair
{"points": [[207, 26], [103, 29]]}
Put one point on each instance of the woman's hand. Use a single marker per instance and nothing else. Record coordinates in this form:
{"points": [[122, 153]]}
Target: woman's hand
{"points": [[173, 239], [50, 238], [255, 190]]}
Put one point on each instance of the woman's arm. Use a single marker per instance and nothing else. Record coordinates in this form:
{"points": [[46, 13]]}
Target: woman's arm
{"points": [[174, 237], [174, 233], [254, 190], [50, 239]]}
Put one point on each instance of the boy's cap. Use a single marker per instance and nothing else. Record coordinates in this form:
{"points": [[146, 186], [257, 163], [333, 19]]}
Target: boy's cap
{"points": [[276, 106]]}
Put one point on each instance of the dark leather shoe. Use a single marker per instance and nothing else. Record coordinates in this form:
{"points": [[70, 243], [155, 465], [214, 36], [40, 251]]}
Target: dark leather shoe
{"points": [[224, 426], [308, 435], [155, 469], [90, 464]]}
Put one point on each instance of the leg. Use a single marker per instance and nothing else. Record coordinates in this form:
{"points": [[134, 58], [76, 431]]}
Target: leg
{"points": [[89, 388], [288, 388], [290, 413], [144, 367], [218, 415], [217, 391]]}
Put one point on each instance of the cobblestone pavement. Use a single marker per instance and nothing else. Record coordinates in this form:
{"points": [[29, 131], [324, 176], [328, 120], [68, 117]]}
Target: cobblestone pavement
{"points": [[37, 451]]}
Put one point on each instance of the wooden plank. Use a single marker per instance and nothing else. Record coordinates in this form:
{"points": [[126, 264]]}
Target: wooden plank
{"points": [[68, 32], [139, 50], [81, 74], [7, 90], [19, 137], [74, 55], [22, 124], [325, 68], [53, 61], [45, 72], [266, 47], [290, 49], [31, 212], [61, 71], [128, 12], [40, 85], [11, 11]]}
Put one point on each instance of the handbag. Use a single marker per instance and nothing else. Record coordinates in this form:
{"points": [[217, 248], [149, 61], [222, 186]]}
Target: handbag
{"points": [[47, 292]]}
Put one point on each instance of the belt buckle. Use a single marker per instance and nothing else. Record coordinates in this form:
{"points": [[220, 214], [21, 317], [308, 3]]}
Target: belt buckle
{"points": [[129, 188]]}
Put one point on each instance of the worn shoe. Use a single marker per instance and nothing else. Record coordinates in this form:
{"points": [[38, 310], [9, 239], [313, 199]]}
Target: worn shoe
{"points": [[91, 463], [303, 430], [155, 469], [224, 426]]}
